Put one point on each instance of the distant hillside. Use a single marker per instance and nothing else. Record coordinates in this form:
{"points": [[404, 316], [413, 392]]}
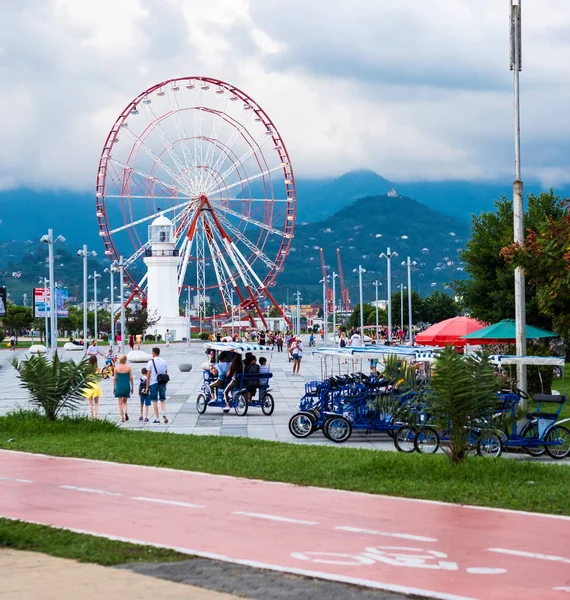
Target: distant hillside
{"points": [[365, 229]]}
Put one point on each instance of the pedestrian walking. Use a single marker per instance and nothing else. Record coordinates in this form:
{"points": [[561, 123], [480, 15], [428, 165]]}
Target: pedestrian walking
{"points": [[139, 341], [297, 355], [168, 338], [93, 350], [13, 343], [93, 391], [144, 396], [123, 386], [156, 379], [132, 342], [279, 342]]}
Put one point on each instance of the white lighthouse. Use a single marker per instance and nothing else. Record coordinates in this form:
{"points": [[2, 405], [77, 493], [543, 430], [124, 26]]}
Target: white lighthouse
{"points": [[162, 262]]}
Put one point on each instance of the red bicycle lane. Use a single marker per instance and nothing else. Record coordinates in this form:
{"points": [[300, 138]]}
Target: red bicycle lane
{"points": [[432, 549]]}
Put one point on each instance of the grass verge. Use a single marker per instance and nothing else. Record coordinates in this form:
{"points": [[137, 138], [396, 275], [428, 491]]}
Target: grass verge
{"points": [[501, 483], [82, 547]]}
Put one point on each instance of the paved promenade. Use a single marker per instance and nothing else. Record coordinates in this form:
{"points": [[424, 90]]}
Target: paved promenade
{"points": [[183, 388], [429, 549]]}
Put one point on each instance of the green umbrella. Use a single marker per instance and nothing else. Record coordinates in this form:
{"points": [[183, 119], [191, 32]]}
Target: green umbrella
{"points": [[505, 330]]}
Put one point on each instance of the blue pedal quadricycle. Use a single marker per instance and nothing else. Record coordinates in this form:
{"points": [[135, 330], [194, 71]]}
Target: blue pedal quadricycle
{"points": [[251, 388]]}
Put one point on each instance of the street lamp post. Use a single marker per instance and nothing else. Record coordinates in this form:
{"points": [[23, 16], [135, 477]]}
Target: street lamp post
{"points": [[45, 281], [121, 265], [110, 270], [360, 271], [518, 198], [410, 264], [388, 256], [50, 241], [188, 323], [377, 284], [334, 277], [232, 301], [85, 254], [298, 297], [95, 276], [324, 281], [402, 307]]}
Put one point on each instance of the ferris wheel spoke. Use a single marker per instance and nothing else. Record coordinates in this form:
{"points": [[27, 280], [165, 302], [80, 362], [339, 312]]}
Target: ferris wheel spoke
{"points": [[248, 179], [156, 158], [183, 168], [214, 136], [186, 250], [252, 221], [146, 176], [148, 197], [218, 270], [245, 199], [248, 243], [149, 217], [241, 160], [224, 155], [181, 129]]}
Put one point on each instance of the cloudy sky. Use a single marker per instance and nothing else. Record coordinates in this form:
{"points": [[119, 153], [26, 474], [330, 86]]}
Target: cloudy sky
{"points": [[413, 89]]}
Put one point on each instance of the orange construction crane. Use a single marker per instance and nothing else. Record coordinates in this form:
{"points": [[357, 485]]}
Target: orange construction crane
{"points": [[328, 291], [344, 297]]}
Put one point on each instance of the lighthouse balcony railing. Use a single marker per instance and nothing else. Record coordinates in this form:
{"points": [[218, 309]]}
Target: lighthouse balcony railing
{"points": [[155, 252]]}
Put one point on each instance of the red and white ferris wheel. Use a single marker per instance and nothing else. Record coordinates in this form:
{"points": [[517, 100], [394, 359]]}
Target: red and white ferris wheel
{"points": [[205, 155]]}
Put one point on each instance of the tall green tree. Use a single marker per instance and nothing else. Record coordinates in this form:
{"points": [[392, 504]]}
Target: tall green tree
{"points": [[438, 307], [18, 317], [488, 294]]}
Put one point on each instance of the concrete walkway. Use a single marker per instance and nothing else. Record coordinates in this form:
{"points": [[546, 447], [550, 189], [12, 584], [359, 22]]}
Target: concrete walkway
{"points": [[33, 576]]}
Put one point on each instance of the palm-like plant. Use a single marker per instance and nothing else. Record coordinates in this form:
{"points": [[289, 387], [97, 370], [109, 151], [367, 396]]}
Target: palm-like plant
{"points": [[462, 398], [54, 385]]}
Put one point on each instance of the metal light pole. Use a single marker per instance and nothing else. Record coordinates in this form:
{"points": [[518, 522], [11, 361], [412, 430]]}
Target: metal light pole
{"points": [[361, 270], [377, 284], [334, 277], [232, 300], [518, 198], [50, 241], [110, 270], [298, 296], [188, 323], [95, 276], [410, 264], [324, 281], [388, 256], [402, 307], [85, 254], [121, 266], [45, 282]]}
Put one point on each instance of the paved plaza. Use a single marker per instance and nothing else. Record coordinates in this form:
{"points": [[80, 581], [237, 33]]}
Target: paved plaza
{"points": [[183, 388]]}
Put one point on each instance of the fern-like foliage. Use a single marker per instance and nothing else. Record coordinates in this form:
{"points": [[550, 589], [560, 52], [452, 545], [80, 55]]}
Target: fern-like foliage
{"points": [[55, 386]]}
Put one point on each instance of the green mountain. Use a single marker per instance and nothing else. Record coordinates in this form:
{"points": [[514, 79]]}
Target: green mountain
{"points": [[368, 227]]}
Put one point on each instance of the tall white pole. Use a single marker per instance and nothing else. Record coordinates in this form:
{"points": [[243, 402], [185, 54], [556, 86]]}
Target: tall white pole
{"points": [[188, 324], [53, 335], [95, 276], [388, 256], [298, 296], [518, 196], [334, 276], [122, 291], [85, 299], [402, 307], [112, 279], [233, 326], [410, 336], [376, 284], [46, 311], [324, 282], [360, 271]]}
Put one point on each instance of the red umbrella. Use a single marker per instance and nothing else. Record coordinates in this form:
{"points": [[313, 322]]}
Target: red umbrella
{"points": [[449, 332]]}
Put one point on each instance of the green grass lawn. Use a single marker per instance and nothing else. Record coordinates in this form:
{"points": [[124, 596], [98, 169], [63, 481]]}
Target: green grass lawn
{"points": [[84, 548], [501, 483]]}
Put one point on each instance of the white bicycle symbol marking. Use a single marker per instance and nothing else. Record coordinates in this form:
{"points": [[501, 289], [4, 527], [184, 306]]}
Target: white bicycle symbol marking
{"points": [[396, 556]]}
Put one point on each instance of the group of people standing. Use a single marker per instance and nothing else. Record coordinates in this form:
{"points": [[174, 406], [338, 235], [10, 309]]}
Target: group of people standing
{"points": [[152, 385]]}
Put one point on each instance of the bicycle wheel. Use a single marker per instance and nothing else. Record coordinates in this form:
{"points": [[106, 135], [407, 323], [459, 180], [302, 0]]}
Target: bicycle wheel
{"points": [[427, 441], [201, 404], [338, 429], [490, 445], [558, 442], [241, 405], [530, 432], [267, 405], [404, 439], [301, 425]]}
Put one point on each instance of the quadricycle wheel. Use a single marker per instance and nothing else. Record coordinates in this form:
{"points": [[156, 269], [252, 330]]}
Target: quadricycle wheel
{"points": [[201, 404], [404, 439], [267, 405], [302, 424], [337, 428]]}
